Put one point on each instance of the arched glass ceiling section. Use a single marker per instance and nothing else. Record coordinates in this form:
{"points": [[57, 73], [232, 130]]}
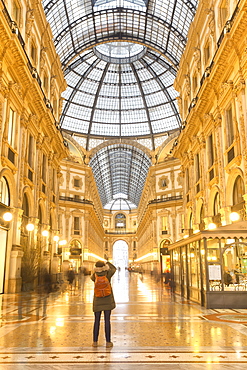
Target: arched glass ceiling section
{"points": [[114, 95], [120, 172], [162, 25], [112, 100]]}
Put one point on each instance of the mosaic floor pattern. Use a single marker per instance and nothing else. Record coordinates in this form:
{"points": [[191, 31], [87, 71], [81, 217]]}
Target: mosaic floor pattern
{"points": [[151, 328]]}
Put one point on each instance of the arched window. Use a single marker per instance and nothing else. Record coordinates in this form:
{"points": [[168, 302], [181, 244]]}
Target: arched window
{"points": [[120, 220], [25, 206], [238, 191], [4, 192], [216, 208], [202, 215], [75, 247], [24, 222], [191, 221]]}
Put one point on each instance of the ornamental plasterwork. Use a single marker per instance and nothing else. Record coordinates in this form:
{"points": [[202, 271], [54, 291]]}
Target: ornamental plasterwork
{"points": [[197, 58], [29, 21], [79, 181], [187, 86], [163, 182], [180, 179], [123, 141]]}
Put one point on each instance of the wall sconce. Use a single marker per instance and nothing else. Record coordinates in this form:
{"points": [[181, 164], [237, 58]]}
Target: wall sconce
{"points": [[62, 242], [7, 216], [212, 226], [234, 216], [56, 238], [45, 233], [30, 227]]}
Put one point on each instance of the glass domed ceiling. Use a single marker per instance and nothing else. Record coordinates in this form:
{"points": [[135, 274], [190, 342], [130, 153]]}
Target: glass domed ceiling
{"points": [[120, 59], [120, 52]]}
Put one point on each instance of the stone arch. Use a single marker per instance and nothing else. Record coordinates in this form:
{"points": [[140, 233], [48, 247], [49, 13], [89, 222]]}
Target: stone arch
{"points": [[188, 218], [230, 184], [80, 148], [28, 192], [53, 220], [165, 242], [169, 140], [120, 258], [123, 141], [42, 206], [199, 205], [5, 172], [215, 189]]}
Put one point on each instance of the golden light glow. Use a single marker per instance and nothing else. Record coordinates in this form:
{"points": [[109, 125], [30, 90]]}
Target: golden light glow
{"points": [[211, 226], [145, 256], [56, 238], [95, 256], [52, 329], [234, 216], [196, 231], [30, 227], [62, 242], [45, 233], [59, 321], [7, 216]]}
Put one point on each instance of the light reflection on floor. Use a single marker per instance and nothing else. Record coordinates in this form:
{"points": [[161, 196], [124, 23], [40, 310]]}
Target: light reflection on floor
{"points": [[151, 328]]}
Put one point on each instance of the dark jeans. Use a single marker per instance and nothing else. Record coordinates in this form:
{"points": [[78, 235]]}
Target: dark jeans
{"points": [[97, 316]]}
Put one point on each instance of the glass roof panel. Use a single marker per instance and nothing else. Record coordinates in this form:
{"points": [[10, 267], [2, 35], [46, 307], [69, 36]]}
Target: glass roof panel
{"points": [[120, 60], [120, 171]]}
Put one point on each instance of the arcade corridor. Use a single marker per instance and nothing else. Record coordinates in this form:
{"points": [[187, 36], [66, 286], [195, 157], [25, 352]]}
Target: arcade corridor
{"points": [[150, 328]]}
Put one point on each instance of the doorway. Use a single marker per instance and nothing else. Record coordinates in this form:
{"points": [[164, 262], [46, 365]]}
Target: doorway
{"points": [[3, 246], [120, 255]]}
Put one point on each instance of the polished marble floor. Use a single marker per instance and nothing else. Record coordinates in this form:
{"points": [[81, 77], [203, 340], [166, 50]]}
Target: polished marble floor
{"points": [[151, 328]]}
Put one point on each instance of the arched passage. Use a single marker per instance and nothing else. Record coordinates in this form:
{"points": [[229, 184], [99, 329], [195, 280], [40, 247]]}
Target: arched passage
{"points": [[120, 254]]}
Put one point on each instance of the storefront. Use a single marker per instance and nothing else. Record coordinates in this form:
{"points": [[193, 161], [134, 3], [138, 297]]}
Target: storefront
{"points": [[210, 267]]}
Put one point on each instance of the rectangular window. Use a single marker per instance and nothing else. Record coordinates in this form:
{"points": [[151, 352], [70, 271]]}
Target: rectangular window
{"points": [[197, 167], [11, 128], [77, 183], [54, 180], [210, 151], [229, 126], [76, 226], [194, 83], [185, 108], [164, 223], [30, 151], [34, 53], [223, 12], [45, 82], [187, 179], [16, 13], [44, 167], [206, 54]]}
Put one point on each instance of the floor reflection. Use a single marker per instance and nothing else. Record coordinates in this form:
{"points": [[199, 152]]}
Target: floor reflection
{"points": [[149, 325]]}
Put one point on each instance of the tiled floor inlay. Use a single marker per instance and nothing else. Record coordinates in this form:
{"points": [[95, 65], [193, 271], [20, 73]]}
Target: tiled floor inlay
{"points": [[150, 326]]}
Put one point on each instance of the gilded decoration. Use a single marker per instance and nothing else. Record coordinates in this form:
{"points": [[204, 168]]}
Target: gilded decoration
{"points": [[77, 182], [163, 182]]}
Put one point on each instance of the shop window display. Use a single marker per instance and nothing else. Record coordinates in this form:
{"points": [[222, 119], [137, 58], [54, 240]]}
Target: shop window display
{"points": [[235, 265]]}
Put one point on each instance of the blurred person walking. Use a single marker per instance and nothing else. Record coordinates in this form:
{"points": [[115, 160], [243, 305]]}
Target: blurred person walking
{"points": [[103, 299]]}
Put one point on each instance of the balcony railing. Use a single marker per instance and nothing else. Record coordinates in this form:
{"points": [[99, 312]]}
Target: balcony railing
{"points": [[76, 200], [119, 232], [168, 199]]}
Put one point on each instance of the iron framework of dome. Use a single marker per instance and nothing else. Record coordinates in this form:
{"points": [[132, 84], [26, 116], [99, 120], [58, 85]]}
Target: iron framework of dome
{"points": [[120, 58]]}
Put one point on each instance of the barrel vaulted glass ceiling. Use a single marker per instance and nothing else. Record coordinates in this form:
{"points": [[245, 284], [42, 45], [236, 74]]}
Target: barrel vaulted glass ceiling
{"points": [[120, 171], [120, 58]]}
